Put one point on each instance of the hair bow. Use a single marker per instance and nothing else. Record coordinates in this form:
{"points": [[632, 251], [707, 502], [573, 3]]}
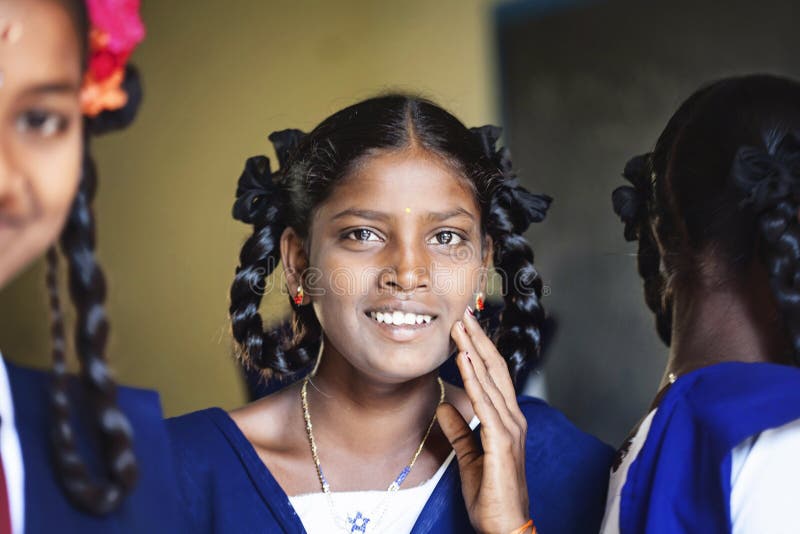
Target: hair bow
{"points": [[487, 137], [630, 203], [285, 142], [768, 179], [257, 195], [523, 207]]}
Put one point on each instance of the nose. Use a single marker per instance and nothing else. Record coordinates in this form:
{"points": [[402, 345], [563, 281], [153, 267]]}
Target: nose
{"points": [[407, 268]]}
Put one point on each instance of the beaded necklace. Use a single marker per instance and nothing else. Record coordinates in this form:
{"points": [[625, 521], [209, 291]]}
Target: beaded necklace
{"points": [[360, 521]]}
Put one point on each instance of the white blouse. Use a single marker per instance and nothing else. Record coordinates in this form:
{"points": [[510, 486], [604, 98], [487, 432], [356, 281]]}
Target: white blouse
{"points": [[368, 511]]}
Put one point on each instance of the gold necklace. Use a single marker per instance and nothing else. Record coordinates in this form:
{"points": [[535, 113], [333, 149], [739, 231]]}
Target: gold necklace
{"points": [[359, 523]]}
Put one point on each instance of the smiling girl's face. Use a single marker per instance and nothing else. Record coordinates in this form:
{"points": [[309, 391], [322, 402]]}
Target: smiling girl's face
{"points": [[396, 255], [40, 127]]}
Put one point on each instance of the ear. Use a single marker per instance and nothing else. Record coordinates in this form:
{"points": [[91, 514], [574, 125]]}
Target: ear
{"points": [[293, 259]]}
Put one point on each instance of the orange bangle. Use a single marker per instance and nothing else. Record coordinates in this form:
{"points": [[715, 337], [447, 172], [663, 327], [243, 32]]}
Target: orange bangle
{"points": [[524, 528]]}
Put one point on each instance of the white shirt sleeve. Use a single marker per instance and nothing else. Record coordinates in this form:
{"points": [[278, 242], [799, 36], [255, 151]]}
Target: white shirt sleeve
{"points": [[765, 472], [11, 452]]}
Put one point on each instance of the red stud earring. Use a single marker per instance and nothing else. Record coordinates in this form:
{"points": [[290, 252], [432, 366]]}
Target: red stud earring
{"points": [[479, 304], [298, 298]]}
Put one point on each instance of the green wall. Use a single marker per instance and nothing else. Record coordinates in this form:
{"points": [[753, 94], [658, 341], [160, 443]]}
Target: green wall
{"points": [[219, 76]]}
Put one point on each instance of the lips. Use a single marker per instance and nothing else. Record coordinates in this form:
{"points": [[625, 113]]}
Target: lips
{"points": [[400, 318], [401, 321]]}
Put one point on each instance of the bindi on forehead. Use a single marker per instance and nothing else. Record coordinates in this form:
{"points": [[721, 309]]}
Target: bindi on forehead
{"points": [[401, 185], [38, 45], [10, 31]]}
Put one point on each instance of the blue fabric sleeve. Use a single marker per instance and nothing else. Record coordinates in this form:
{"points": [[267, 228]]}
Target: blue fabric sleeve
{"points": [[680, 481], [151, 507], [567, 472]]}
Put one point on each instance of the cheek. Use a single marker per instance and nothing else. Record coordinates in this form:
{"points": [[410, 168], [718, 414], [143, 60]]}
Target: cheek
{"points": [[53, 176], [337, 284], [48, 182], [458, 278]]}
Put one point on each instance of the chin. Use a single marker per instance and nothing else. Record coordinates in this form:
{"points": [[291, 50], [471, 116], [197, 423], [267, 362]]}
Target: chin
{"points": [[15, 259], [404, 366]]}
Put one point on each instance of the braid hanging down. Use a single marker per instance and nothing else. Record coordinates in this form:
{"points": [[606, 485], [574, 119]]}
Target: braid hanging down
{"points": [[103, 493]]}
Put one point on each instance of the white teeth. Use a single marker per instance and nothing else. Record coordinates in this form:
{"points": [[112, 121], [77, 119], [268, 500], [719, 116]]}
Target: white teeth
{"points": [[400, 318]]}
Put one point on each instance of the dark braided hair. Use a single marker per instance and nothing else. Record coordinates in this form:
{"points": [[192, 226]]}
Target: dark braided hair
{"points": [[310, 165], [633, 204], [725, 184], [93, 494]]}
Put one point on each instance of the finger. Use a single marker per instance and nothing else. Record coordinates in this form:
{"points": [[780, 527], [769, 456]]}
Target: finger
{"points": [[459, 434], [467, 449], [495, 364], [465, 344], [459, 334], [492, 359], [494, 429], [505, 402], [485, 380]]}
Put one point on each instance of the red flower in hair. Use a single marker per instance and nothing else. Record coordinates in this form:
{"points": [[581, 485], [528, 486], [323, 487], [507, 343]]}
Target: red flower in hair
{"points": [[120, 20], [116, 30]]}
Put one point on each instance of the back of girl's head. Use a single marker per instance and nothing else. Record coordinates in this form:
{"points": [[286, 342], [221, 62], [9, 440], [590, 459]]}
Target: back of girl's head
{"points": [[310, 165], [88, 491], [718, 192]]}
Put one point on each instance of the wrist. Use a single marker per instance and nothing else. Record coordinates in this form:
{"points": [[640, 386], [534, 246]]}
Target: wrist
{"points": [[527, 528]]}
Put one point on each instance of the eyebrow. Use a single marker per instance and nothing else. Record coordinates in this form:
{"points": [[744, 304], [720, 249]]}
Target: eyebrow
{"points": [[51, 88], [436, 216], [364, 214], [439, 216]]}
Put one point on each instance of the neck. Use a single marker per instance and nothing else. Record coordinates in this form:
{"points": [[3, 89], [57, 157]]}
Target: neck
{"points": [[346, 405], [727, 323]]}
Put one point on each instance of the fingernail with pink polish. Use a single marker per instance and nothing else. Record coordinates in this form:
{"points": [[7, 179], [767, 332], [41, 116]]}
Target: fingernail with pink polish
{"points": [[470, 311]]}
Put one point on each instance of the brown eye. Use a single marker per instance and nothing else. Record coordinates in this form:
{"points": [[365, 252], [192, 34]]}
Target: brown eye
{"points": [[447, 237], [362, 234], [41, 123]]}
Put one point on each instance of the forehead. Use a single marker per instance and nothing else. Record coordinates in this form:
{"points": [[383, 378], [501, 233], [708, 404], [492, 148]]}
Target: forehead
{"points": [[393, 181], [45, 47]]}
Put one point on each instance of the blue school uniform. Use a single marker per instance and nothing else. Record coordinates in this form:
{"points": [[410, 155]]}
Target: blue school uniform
{"points": [[681, 479], [152, 505], [226, 487]]}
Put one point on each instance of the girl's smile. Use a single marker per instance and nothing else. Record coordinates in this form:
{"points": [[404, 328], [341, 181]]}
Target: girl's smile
{"points": [[397, 254], [401, 321], [40, 130]]}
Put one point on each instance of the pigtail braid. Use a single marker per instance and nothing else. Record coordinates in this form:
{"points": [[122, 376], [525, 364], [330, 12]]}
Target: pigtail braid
{"points": [[511, 210], [632, 204], [261, 202], [88, 291], [770, 181]]}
